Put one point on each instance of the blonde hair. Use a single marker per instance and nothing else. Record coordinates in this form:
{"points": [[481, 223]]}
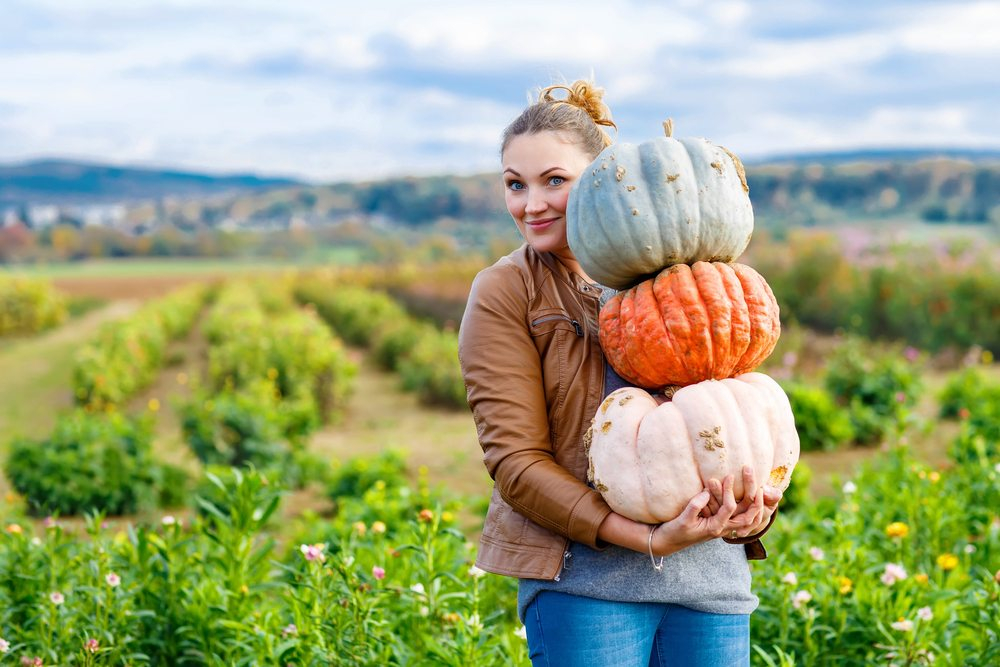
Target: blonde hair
{"points": [[581, 114]]}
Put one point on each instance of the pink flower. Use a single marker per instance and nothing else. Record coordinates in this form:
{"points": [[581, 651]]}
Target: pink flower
{"points": [[816, 553], [925, 614], [4, 645], [911, 353], [378, 573], [800, 598], [902, 625], [92, 645], [113, 579], [31, 662], [313, 552], [289, 630], [900, 397], [57, 598], [893, 573], [790, 579]]}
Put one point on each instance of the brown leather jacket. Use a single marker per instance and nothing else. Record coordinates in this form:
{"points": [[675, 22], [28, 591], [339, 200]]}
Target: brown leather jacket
{"points": [[534, 375]]}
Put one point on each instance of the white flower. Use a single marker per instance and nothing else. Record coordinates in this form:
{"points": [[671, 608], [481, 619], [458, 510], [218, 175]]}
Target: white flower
{"points": [[4, 645], [997, 467], [790, 579], [925, 614], [816, 553], [849, 487], [475, 572], [893, 573], [424, 611], [168, 520], [418, 589], [801, 598], [36, 541], [902, 625], [970, 548], [521, 632], [112, 579], [57, 598]]}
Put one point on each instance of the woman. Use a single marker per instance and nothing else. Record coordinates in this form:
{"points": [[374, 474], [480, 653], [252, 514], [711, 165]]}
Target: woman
{"points": [[595, 588]]}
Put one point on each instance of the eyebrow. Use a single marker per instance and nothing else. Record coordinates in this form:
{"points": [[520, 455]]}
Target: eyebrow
{"points": [[542, 174]]}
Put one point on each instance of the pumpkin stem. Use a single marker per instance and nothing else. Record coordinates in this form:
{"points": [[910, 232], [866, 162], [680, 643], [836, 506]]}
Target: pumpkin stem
{"points": [[668, 127]]}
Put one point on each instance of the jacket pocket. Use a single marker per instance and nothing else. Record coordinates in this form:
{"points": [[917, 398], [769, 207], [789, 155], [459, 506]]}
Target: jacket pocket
{"points": [[549, 320]]}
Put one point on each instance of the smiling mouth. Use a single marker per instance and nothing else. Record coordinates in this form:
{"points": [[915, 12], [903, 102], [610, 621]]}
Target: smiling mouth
{"points": [[539, 223]]}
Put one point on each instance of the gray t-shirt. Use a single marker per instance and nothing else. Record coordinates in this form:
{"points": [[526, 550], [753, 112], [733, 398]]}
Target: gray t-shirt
{"points": [[712, 576]]}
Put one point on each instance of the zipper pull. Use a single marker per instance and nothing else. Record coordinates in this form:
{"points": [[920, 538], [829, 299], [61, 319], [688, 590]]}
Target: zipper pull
{"points": [[565, 566], [579, 329]]}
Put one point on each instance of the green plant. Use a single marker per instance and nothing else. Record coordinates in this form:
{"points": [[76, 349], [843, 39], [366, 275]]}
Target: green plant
{"points": [[820, 422], [90, 462]]}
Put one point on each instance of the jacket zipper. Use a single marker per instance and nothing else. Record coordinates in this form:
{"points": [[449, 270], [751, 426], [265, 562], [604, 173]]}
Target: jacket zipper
{"points": [[549, 318], [565, 564]]}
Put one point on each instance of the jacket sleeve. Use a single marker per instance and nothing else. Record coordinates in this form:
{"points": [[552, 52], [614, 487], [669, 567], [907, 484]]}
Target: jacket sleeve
{"points": [[504, 386]]}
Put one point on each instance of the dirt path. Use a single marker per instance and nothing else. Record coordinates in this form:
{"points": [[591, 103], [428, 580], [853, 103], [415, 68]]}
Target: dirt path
{"points": [[36, 373], [381, 416]]}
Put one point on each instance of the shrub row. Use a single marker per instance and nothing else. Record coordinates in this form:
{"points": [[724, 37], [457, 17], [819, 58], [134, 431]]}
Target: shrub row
{"points": [[907, 293], [864, 398], [93, 461], [28, 306], [272, 380], [127, 354], [425, 357]]}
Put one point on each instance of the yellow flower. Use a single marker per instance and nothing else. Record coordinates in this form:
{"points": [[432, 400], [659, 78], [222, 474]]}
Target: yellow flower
{"points": [[182, 378], [846, 585], [272, 373], [934, 476], [987, 357], [447, 517], [920, 578], [154, 405], [14, 529], [897, 529], [947, 561], [360, 528], [378, 527]]}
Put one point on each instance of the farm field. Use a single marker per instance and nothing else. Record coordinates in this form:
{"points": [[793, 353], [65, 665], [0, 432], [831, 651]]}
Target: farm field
{"points": [[361, 492]]}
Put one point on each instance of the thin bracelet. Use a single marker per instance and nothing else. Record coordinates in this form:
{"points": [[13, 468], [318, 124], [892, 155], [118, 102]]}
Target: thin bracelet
{"points": [[649, 544]]}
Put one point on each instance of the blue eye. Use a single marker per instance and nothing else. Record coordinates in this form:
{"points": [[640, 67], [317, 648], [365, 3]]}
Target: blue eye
{"points": [[557, 180], [517, 186]]}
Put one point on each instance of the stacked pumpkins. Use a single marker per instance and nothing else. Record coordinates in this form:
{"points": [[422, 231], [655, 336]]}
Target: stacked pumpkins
{"points": [[663, 222]]}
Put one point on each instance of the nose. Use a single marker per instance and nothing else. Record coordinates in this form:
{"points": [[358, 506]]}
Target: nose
{"points": [[536, 202]]}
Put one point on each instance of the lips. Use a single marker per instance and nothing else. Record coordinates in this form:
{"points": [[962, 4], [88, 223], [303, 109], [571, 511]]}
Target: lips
{"points": [[539, 225]]}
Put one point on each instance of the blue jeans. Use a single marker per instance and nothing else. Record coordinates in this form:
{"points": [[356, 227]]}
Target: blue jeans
{"points": [[574, 631]]}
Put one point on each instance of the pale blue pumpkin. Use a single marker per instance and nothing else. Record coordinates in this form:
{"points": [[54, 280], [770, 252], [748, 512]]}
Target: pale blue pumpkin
{"points": [[638, 209]]}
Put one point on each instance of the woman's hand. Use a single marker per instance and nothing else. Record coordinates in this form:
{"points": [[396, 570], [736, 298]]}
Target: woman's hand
{"points": [[696, 525], [760, 502]]}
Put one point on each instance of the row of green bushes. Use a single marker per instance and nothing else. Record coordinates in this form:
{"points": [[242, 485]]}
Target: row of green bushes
{"points": [[425, 357], [911, 294], [275, 374], [126, 355], [902, 565], [863, 397], [29, 305]]}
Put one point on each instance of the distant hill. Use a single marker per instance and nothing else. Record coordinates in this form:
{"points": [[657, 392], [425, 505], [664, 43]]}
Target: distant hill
{"points": [[71, 182], [880, 155]]}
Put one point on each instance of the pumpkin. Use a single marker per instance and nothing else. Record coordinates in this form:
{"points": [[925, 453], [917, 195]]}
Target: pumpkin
{"points": [[649, 456], [639, 208], [690, 323]]}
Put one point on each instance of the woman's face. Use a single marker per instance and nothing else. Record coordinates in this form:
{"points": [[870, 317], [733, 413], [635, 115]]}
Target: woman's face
{"points": [[538, 171]]}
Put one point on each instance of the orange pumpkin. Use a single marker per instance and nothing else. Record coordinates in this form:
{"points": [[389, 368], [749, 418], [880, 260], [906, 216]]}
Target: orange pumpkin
{"points": [[704, 321]]}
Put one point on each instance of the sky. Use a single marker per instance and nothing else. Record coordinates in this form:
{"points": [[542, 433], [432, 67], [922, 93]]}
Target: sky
{"points": [[330, 91]]}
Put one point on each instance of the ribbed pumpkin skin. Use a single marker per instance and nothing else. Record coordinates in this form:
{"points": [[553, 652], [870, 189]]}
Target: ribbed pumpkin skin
{"points": [[648, 458], [639, 208], [709, 320]]}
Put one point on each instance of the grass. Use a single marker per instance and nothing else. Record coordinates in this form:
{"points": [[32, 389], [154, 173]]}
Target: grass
{"points": [[180, 266]]}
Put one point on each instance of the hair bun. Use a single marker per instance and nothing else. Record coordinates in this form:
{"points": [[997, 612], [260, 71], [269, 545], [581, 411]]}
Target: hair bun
{"points": [[584, 95]]}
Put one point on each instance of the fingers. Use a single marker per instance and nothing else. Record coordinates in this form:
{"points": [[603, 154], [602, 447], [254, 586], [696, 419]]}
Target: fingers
{"points": [[772, 496], [696, 505]]}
